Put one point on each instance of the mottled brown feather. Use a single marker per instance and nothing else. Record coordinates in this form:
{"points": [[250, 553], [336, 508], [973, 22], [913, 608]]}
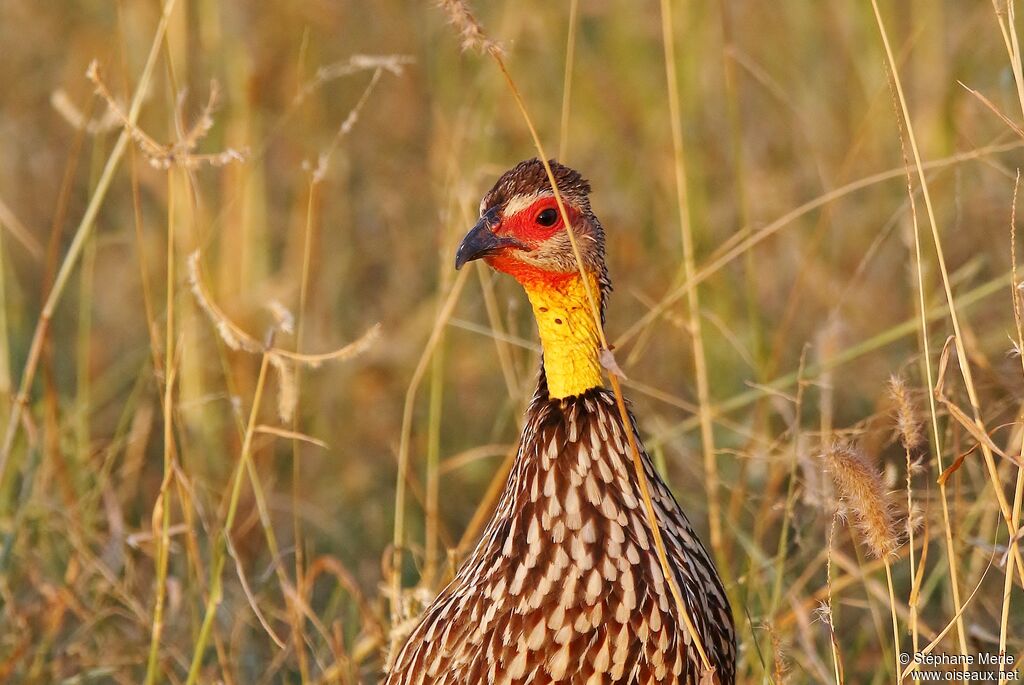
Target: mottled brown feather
{"points": [[565, 585]]}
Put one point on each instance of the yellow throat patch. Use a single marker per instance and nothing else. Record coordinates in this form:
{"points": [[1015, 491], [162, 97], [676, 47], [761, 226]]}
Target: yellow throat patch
{"points": [[568, 335]]}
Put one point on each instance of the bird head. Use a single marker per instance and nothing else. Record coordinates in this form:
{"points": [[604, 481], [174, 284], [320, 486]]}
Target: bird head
{"points": [[521, 230]]}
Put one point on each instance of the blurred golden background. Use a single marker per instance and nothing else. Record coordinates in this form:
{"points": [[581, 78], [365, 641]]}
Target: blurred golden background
{"points": [[344, 158]]}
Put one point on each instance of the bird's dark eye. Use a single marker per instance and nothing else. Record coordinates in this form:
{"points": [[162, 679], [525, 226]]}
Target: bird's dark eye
{"points": [[548, 217]]}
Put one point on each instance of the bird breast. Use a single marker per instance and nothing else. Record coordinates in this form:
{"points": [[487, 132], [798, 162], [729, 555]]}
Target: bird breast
{"points": [[565, 585]]}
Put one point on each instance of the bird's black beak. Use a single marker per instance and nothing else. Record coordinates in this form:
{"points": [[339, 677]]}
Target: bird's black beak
{"points": [[481, 241]]}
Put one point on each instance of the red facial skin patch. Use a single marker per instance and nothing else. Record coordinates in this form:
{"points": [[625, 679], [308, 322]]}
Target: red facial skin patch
{"points": [[523, 226]]}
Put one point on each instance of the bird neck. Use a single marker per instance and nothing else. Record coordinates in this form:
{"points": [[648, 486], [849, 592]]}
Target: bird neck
{"points": [[568, 332]]}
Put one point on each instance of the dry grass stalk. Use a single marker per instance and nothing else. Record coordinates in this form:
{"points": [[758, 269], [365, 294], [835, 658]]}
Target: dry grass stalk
{"points": [[941, 635], [394, 64], [1007, 26], [1018, 495], [861, 489], [285, 364], [291, 435], [222, 541], [397, 595], [707, 436], [824, 610], [127, 474], [958, 335], [462, 18], [570, 58], [995, 110], [162, 507], [10, 222], [780, 665], [908, 429], [281, 360], [61, 102], [902, 115], [749, 238], [74, 252], [346, 127], [975, 430], [862, 492], [181, 153]]}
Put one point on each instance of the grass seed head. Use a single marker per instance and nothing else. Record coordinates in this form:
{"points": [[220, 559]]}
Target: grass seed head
{"points": [[907, 424], [860, 487], [461, 17]]}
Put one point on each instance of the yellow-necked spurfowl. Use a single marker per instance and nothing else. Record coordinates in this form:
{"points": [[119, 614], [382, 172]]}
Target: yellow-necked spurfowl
{"points": [[565, 585]]}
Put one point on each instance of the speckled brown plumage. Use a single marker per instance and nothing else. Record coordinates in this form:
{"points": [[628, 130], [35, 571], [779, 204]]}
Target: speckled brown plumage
{"points": [[564, 585]]}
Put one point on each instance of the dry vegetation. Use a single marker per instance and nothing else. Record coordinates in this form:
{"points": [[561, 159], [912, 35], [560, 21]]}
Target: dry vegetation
{"points": [[205, 214]]}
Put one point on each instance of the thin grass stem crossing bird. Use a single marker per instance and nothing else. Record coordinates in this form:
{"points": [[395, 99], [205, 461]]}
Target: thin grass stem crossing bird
{"points": [[565, 585]]}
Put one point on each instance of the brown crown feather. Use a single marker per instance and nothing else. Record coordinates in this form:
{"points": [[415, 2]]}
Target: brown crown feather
{"points": [[529, 177]]}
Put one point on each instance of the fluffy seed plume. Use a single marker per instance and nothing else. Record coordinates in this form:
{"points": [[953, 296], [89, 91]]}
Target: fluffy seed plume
{"points": [[823, 613], [780, 662], [860, 487], [907, 425], [288, 394], [470, 30], [915, 519]]}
